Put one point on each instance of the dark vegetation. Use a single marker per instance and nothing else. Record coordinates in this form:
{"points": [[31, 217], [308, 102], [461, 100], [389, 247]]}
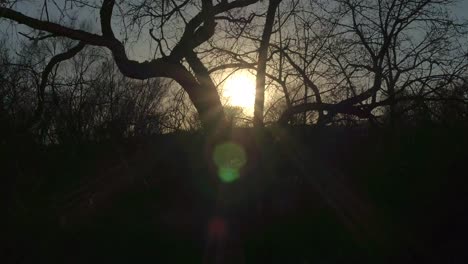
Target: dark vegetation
{"points": [[330, 195]]}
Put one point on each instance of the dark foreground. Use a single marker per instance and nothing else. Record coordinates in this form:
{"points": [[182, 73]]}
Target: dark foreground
{"points": [[304, 195]]}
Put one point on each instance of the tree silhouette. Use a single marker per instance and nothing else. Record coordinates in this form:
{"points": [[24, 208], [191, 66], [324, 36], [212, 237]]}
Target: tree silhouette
{"points": [[363, 56], [197, 30], [71, 100], [77, 104], [262, 60], [344, 58]]}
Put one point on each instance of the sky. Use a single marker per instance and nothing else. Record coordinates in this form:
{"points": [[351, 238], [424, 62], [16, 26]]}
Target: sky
{"points": [[461, 9], [33, 7], [140, 51]]}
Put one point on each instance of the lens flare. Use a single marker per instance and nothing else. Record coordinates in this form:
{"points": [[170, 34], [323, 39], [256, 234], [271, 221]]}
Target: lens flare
{"points": [[217, 228], [228, 174], [229, 158]]}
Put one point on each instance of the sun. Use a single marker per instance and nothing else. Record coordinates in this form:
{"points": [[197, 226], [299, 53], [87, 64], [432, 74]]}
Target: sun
{"points": [[239, 90]]}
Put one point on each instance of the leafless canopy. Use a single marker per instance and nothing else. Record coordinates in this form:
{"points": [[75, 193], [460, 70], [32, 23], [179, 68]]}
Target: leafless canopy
{"points": [[322, 59]]}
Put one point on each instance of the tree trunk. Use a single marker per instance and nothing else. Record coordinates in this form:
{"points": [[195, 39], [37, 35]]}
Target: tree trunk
{"points": [[205, 97], [261, 67]]}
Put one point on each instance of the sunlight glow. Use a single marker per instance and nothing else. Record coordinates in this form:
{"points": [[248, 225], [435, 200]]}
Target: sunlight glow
{"points": [[239, 90]]}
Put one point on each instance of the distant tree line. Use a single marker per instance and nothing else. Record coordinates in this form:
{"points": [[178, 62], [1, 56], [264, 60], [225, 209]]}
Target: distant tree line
{"points": [[83, 99]]}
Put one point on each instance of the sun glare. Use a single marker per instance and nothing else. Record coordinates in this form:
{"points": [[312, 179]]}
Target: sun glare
{"points": [[239, 90]]}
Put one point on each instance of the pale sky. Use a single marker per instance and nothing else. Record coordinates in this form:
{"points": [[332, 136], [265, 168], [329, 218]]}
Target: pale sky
{"points": [[31, 7], [461, 9]]}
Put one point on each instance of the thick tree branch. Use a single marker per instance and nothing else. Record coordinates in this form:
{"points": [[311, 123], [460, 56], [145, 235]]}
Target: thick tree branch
{"points": [[54, 28], [106, 19], [195, 34], [45, 76], [332, 110]]}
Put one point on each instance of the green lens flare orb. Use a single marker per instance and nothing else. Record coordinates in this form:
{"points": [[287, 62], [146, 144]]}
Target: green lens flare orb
{"points": [[229, 158], [228, 175]]}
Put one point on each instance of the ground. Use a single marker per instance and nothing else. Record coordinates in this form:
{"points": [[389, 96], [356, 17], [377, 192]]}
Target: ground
{"points": [[303, 195]]}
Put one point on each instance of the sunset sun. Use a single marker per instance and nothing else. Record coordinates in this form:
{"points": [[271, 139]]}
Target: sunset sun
{"points": [[239, 90]]}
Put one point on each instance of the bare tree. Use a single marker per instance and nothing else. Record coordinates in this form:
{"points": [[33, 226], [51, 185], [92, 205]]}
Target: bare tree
{"points": [[197, 30], [351, 58], [379, 53], [58, 99]]}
